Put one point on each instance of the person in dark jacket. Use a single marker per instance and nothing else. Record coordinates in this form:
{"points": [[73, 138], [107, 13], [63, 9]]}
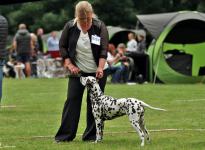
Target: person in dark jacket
{"points": [[83, 46], [23, 46], [3, 51], [141, 37], [40, 46]]}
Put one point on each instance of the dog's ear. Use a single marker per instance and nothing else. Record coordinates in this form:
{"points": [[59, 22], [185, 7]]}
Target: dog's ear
{"points": [[83, 80]]}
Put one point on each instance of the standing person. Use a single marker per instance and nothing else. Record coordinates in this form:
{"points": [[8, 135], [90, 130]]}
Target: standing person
{"points": [[83, 46], [23, 45], [53, 45], [132, 43], [34, 52], [141, 37], [34, 44], [39, 34], [3, 38]]}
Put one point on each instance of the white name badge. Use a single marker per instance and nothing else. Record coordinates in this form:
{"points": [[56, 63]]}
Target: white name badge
{"points": [[95, 40]]}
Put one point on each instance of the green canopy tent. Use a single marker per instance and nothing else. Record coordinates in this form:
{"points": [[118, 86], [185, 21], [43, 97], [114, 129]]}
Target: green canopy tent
{"points": [[178, 49]]}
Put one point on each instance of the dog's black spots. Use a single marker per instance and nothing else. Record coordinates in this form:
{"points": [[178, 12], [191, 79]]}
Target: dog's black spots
{"points": [[107, 108], [113, 102], [133, 110], [99, 125], [110, 109], [138, 107], [138, 113], [140, 130]]}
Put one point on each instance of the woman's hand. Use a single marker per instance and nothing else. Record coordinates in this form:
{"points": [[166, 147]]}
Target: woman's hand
{"points": [[72, 68], [99, 73]]}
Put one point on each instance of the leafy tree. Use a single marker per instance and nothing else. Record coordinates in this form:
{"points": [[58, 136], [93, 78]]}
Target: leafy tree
{"points": [[159, 6], [116, 12], [53, 14], [185, 4], [149, 6], [201, 6]]}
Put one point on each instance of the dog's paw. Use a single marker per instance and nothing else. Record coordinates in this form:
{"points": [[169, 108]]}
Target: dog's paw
{"points": [[97, 141]]}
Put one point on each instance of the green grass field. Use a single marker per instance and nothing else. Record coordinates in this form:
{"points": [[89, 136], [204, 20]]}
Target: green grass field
{"points": [[32, 124]]}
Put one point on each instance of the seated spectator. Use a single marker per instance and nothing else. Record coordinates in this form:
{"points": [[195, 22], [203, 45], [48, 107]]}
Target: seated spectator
{"points": [[125, 62], [132, 43], [118, 64], [139, 57], [111, 54], [114, 68]]}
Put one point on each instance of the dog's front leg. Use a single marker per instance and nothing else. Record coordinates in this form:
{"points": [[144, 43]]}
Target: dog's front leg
{"points": [[99, 125]]}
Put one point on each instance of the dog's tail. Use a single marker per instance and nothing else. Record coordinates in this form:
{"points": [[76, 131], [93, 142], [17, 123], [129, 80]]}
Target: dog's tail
{"points": [[155, 108]]}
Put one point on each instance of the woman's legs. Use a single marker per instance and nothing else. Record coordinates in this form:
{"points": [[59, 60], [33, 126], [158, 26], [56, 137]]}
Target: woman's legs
{"points": [[71, 111]]}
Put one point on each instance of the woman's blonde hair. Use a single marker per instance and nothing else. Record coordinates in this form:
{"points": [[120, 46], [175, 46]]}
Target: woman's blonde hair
{"points": [[82, 8]]}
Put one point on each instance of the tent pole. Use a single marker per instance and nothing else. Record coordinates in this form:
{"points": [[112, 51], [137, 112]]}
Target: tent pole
{"points": [[157, 67]]}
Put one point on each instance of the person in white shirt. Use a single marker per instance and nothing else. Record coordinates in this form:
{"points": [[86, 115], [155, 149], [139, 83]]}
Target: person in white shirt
{"points": [[83, 47], [132, 43], [53, 45]]}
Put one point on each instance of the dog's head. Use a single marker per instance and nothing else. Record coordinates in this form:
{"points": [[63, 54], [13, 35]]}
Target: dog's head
{"points": [[86, 81]]}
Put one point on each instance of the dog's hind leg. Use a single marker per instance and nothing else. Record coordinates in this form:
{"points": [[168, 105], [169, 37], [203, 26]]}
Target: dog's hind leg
{"points": [[102, 128], [143, 127], [134, 119]]}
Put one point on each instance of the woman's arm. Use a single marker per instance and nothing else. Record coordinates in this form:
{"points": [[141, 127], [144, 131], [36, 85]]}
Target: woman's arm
{"points": [[63, 43], [104, 47], [99, 72], [104, 41]]}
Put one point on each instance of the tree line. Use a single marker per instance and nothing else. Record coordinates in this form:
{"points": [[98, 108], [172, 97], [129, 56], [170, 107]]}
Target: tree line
{"points": [[53, 14]]}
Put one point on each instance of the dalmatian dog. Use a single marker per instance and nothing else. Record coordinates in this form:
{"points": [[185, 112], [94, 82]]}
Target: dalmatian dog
{"points": [[107, 108]]}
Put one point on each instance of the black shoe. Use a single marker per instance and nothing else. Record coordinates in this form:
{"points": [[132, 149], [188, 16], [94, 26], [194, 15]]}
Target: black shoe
{"points": [[58, 141], [88, 139], [62, 141]]}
